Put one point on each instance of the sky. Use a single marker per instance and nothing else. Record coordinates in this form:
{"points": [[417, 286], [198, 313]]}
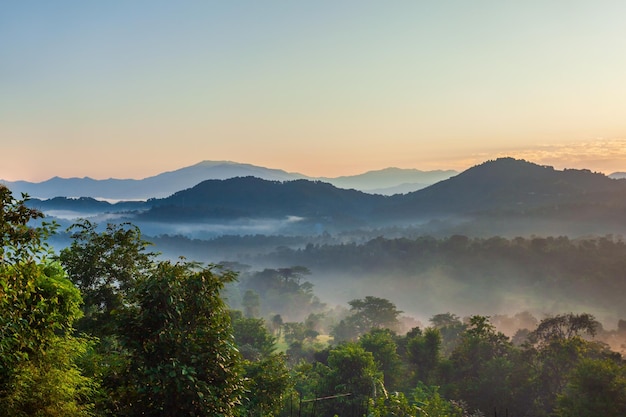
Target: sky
{"points": [[130, 89]]}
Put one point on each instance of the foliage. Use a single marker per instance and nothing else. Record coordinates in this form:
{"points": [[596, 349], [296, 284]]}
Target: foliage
{"points": [[481, 366], [267, 384], [283, 292], [596, 387], [368, 313], [392, 405], [381, 343], [20, 241], [557, 350], [354, 371], [563, 326], [586, 271], [431, 404], [161, 341], [179, 335], [424, 353], [252, 337], [39, 375], [450, 328], [105, 267], [50, 383]]}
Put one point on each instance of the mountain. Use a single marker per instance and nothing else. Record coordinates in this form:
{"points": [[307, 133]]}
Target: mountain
{"points": [[158, 186], [511, 184], [388, 181], [504, 196], [617, 175], [254, 198], [503, 187]]}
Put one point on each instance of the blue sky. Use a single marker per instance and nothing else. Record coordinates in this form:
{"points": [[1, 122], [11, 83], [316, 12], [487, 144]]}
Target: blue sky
{"points": [[128, 89]]}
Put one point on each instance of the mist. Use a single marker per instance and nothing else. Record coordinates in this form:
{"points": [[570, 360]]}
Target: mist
{"points": [[461, 264]]}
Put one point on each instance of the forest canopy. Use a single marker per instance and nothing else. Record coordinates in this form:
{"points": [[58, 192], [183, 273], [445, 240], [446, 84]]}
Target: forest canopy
{"points": [[107, 328]]}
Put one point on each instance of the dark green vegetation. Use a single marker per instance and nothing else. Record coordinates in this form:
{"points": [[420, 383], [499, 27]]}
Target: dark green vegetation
{"points": [[106, 328]]}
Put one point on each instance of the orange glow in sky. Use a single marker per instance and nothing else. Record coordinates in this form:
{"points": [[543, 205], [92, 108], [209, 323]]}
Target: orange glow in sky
{"points": [[132, 89]]}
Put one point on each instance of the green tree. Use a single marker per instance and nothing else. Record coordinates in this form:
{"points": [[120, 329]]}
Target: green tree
{"points": [[267, 384], [252, 337], [450, 327], [368, 313], [105, 266], [555, 349], [424, 353], [277, 325], [375, 312], [431, 404], [39, 375], [294, 332], [564, 326], [481, 367], [283, 292], [20, 240], [183, 359], [353, 371], [396, 405], [381, 343], [252, 304], [596, 387]]}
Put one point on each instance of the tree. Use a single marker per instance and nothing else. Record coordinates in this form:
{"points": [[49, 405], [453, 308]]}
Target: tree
{"points": [[381, 343], [368, 313], [375, 312], [395, 404], [596, 387], [267, 383], [283, 292], [277, 325], [450, 327], [556, 347], [252, 337], [105, 266], [294, 332], [183, 359], [21, 241], [251, 304], [347, 330], [564, 326], [39, 375], [432, 404], [481, 367], [352, 371], [424, 351]]}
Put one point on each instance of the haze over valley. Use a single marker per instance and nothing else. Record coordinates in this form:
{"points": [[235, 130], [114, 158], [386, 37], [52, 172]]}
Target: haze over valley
{"points": [[494, 239]]}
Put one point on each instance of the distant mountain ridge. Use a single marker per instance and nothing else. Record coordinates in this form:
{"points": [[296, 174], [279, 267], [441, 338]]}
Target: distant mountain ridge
{"points": [[505, 190], [387, 181]]}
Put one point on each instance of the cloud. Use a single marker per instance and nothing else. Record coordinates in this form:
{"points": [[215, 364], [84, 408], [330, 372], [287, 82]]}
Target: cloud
{"points": [[598, 154]]}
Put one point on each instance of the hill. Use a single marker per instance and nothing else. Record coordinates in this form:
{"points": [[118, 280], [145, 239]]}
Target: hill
{"points": [[387, 181], [158, 186], [391, 181], [512, 184], [254, 198], [505, 196]]}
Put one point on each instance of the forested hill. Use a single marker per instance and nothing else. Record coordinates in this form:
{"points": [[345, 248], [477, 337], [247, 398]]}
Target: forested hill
{"points": [[503, 184], [524, 197], [513, 185], [256, 198]]}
